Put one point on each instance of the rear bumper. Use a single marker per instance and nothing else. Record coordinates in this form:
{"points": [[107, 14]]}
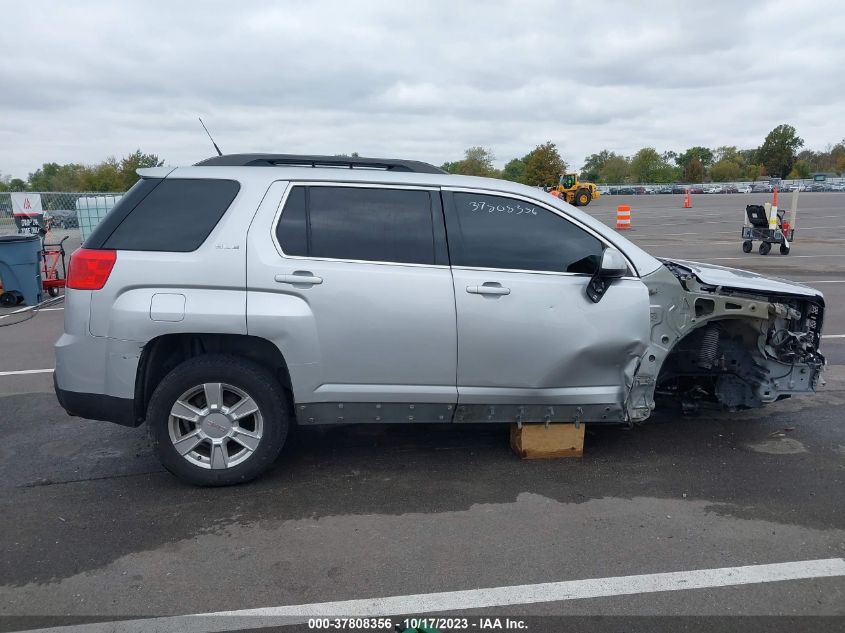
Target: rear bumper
{"points": [[95, 406]]}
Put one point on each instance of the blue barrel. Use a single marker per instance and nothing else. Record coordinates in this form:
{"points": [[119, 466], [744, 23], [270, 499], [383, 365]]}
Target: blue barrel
{"points": [[20, 269]]}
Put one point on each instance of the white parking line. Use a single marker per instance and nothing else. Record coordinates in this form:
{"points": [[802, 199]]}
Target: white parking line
{"points": [[451, 601], [22, 372], [833, 335]]}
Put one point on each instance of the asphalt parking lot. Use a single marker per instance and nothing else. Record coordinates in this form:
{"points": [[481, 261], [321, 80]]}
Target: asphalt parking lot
{"points": [[93, 528]]}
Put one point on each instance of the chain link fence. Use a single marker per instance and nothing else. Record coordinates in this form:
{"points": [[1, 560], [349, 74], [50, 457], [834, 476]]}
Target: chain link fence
{"points": [[74, 214]]}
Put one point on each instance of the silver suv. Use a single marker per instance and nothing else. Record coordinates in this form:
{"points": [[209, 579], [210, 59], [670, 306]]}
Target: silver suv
{"points": [[223, 302]]}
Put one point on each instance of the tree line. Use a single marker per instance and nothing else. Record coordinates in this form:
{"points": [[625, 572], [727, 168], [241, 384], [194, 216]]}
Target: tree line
{"points": [[780, 155], [112, 174]]}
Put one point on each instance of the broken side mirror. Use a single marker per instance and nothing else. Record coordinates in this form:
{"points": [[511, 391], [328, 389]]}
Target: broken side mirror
{"points": [[612, 266]]}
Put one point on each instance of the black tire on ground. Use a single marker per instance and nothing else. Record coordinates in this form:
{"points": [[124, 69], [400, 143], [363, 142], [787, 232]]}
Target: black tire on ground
{"points": [[7, 300], [765, 247], [253, 379], [747, 246], [582, 198], [784, 249], [53, 291]]}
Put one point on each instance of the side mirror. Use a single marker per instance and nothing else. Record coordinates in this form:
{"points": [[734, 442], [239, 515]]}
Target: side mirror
{"points": [[612, 266]]}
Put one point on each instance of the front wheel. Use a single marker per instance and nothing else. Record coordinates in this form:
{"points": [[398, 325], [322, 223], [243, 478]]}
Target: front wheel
{"points": [[747, 246], [765, 247], [218, 420], [784, 249], [582, 198]]}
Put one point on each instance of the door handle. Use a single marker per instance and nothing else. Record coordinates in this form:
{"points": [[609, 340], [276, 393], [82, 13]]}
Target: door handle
{"points": [[488, 288], [300, 277]]}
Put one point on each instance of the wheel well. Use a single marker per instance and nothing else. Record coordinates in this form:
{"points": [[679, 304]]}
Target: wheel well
{"points": [[164, 353], [719, 347]]}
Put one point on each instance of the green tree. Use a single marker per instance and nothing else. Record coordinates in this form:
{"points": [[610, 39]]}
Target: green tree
{"points": [[477, 161], [16, 184], [778, 151], [702, 156], [649, 166], [543, 166], [694, 171], [138, 160], [594, 163], [514, 170], [800, 169], [726, 170], [614, 171]]}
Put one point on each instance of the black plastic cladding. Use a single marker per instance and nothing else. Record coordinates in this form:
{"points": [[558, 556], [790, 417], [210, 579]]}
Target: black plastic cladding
{"points": [[304, 160]]}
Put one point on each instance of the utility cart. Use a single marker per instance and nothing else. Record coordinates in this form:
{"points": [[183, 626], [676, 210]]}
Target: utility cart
{"points": [[759, 226]]}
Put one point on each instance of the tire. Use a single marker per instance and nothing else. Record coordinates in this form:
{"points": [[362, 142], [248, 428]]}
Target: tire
{"points": [[239, 379], [7, 300], [784, 249], [747, 246], [765, 247], [53, 291], [582, 198]]}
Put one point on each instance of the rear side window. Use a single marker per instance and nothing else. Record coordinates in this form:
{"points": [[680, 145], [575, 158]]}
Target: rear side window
{"points": [[363, 223], [177, 215], [499, 232]]}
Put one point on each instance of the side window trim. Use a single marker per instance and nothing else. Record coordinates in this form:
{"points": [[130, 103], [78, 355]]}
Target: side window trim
{"points": [[439, 241], [449, 208]]}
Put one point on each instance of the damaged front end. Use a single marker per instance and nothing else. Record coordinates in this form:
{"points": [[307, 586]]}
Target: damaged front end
{"points": [[728, 337]]}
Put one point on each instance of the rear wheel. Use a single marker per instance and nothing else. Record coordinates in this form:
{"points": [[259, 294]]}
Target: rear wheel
{"points": [[218, 420], [747, 246], [765, 247], [784, 249], [582, 198]]}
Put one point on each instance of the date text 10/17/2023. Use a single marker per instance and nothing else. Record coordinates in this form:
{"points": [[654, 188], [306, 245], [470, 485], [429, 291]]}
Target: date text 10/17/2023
{"points": [[431, 624]]}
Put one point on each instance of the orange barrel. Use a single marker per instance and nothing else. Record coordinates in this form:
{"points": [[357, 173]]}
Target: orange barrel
{"points": [[623, 217]]}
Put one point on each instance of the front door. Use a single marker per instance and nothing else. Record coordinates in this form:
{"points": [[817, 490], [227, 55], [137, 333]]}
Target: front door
{"points": [[531, 345]]}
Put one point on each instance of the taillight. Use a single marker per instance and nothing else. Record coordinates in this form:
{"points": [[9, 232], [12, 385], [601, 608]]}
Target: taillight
{"points": [[89, 269]]}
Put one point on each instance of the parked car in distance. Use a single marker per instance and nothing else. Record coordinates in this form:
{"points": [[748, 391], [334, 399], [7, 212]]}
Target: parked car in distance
{"points": [[761, 187], [663, 189], [713, 189], [744, 189], [679, 188], [730, 189], [696, 189], [280, 290]]}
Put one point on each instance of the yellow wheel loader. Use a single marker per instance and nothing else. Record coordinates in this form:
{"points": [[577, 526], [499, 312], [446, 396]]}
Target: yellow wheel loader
{"points": [[574, 191]]}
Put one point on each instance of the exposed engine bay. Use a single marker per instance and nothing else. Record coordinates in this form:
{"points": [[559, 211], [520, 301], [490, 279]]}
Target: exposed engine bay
{"points": [[739, 347]]}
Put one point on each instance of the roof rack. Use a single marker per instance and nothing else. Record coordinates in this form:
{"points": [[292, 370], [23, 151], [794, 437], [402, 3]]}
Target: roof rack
{"points": [[303, 160]]}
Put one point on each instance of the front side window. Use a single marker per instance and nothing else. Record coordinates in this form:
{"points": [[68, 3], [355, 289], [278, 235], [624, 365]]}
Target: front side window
{"points": [[363, 223], [498, 232]]}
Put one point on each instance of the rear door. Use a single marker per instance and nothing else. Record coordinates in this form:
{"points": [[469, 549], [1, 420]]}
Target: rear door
{"points": [[356, 286], [531, 345]]}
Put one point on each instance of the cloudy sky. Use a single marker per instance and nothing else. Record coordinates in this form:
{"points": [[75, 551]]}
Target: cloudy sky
{"points": [[425, 79]]}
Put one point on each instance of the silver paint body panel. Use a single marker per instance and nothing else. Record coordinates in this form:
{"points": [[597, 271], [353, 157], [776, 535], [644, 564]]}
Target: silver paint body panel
{"points": [[379, 341]]}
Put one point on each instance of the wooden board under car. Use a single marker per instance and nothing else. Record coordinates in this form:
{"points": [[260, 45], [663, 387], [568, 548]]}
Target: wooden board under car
{"points": [[538, 441]]}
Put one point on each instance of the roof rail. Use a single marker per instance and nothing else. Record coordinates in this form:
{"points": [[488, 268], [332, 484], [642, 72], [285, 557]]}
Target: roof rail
{"points": [[303, 160]]}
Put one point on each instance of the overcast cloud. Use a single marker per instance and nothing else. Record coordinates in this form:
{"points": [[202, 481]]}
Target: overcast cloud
{"points": [[82, 80]]}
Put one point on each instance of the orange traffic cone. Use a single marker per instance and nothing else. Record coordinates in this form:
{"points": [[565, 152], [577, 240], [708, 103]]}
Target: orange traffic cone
{"points": [[687, 200], [623, 217]]}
